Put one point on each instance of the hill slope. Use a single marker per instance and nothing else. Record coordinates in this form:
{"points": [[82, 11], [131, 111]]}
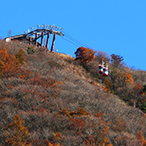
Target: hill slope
{"points": [[61, 102]]}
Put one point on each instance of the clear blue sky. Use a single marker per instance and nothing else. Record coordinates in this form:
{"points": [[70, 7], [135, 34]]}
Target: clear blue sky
{"points": [[112, 26]]}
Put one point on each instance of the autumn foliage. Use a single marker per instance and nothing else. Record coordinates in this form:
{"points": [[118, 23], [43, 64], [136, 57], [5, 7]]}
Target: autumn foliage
{"points": [[108, 84], [63, 103], [140, 137], [85, 54], [7, 62], [10, 63], [17, 134]]}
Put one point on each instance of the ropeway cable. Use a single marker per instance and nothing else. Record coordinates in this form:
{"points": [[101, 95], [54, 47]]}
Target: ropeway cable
{"points": [[70, 41], [73, 39]]}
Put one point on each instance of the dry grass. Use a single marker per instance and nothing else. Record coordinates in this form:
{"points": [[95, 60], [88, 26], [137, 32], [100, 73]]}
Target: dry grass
{"points": [[56, 82]]}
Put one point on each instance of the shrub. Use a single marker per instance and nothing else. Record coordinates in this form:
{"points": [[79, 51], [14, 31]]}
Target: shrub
{"points": [[8, 63], [16, 133], [108, 84], [30, 50], [20, 57]]}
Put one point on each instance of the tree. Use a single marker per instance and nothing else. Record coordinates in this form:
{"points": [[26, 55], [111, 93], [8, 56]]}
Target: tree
{"points": [[138, 89], [101, 55], [16, 133], [20, 57], [7, 62], [116, 60], [85, 54], [108, 84], [124, 79]]}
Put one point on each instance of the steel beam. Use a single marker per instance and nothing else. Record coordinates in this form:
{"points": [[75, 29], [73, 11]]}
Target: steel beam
{"points": [[30, 40], [42, 39], [47, 40], [52, 48], [36, 35]]}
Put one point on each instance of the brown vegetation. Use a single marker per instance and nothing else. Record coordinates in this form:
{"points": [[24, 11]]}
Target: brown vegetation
{"points": [[62, 104]]}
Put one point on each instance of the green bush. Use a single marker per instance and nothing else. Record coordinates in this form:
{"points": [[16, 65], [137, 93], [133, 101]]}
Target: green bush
{"points": [[144, 107], [30, 50]]}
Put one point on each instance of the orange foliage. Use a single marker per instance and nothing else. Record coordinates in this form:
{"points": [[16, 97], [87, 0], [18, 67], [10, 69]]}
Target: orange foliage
{"points": [[78, 124], [109, 144], [38, 142], [108, 84], [98, 114], [127, 77], [58, 144], [9, 63], [80, 112], [138, 88], [57, 135], [129, 80], [140, 136], [120, 125], [22, 76], [16, 133], [20, 57], [64, 112], [85, 54], [73, 113]]}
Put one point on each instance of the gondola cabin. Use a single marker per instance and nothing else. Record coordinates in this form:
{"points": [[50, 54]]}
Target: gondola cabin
{"points": [[100, 68], [105, 72]]}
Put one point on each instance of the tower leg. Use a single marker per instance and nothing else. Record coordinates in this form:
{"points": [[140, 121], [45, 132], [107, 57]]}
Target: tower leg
{"points": [[47, 41], [42, 39], [36, 39], [30, 41], [52, 48]]}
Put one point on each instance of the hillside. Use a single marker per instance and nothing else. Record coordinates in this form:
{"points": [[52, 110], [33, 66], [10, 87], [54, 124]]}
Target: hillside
{"points": [[61, 102]]}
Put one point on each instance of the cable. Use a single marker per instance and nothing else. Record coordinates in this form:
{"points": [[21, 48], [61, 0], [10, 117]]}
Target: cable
{"points": [[73, 39], [70, 42]]}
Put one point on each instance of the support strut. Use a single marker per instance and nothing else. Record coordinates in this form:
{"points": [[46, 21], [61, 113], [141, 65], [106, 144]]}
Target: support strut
{"points": [[42, 39], [47, 40], [36, 39], [52, 48]]}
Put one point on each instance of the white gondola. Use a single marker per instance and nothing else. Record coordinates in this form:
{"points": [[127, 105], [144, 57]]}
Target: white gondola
{"points": [[105, 70], [101, 68]]}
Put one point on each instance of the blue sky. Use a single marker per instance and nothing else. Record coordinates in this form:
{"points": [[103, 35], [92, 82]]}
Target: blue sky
{"points": [[112, 26]]}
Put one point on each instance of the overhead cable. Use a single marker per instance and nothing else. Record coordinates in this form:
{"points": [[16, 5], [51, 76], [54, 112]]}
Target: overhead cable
{"points": [[70, 41], [73, 39]]}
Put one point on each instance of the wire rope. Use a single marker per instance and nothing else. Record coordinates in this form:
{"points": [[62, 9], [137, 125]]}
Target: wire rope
{"points": [[73, 39], [70, 41]]}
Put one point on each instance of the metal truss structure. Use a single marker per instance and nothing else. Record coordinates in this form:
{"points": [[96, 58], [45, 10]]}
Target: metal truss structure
{"points": [[36, 33], [41, 31]]}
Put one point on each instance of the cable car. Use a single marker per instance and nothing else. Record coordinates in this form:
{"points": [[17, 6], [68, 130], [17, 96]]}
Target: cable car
{"points": [[105, 70], [101, 68]]}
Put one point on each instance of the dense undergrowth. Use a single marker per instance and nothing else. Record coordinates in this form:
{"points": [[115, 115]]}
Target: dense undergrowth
{"points": [[52, 99]]}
